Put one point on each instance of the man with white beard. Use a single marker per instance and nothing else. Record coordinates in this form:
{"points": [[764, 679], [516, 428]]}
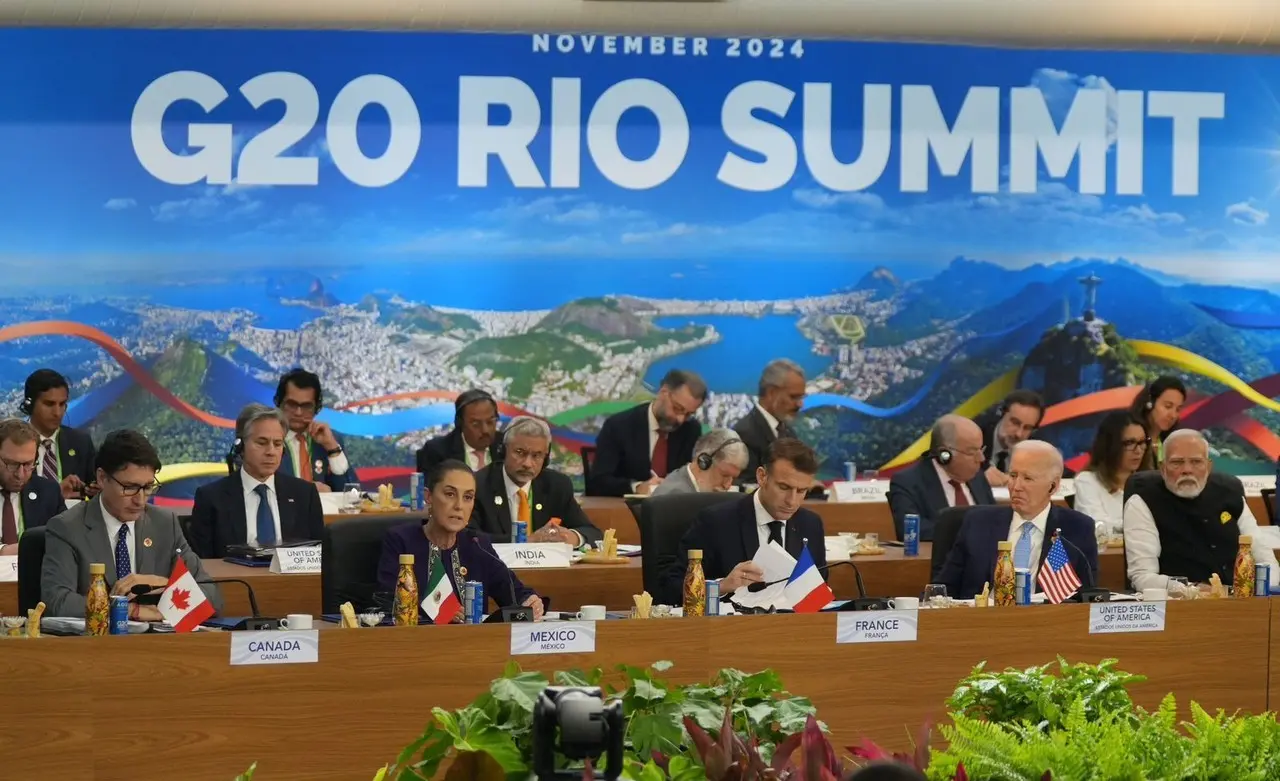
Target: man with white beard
{"points": [[1186, 520]]}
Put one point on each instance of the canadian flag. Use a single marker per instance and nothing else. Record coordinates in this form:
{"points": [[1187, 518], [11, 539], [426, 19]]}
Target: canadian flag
{"points": [[183, 605]]}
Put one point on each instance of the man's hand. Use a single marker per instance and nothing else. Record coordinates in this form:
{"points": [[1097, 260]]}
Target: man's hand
{"points": [[535, 602], [72, 486], [744, 574], [149, 613], [323, 435], [648, 485], [553, 533], [9, 550], [92, 489], [996, 478], [124, 586]]}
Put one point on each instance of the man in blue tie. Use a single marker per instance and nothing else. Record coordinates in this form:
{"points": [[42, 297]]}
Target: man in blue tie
{"points": [[1031, 520], [255, 505]]}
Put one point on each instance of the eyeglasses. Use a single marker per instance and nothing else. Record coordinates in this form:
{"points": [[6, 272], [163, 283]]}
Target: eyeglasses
{"points": [[129, 489], [1135, 444], [305, 408], [528, 455], [18, 466]]}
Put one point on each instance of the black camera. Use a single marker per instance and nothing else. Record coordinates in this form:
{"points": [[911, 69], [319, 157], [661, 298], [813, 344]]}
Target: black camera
{"points": [[587, 726]]}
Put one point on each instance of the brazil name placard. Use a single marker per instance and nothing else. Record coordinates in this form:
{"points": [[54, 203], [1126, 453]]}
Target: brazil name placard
{"points": [[1121, 617], [566, 637]]}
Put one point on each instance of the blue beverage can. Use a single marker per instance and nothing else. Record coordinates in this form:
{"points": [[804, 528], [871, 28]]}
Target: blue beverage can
{"points": [[417, 493], [911, 535], [473, 602], [519, 531], [713, 598], [1022, 587], [118, 620], [850, 471], [1262, 580]]}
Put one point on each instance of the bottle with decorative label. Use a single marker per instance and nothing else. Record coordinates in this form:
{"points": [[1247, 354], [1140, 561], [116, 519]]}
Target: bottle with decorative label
{"points": [[695, 586], [1003, 583], [97, 606], [1242, 584], [406, 599]]}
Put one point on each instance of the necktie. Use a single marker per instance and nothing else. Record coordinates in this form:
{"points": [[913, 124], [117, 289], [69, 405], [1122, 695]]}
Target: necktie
{"points": [[304, 460], [479, 456], [266, 521], [49, 462], [1022, 550], [523, 514], [775, 532], [123, 566], [961, 499], [9, 527], [658, 461]]}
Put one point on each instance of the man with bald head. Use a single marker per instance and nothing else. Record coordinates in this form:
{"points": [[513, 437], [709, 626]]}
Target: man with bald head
{"points": [[949, 474], [1186, 520], [1029, 523]]}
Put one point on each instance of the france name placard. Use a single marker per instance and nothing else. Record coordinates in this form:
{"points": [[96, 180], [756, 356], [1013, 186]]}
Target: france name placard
{"points": [[535, 555], [877, 626], [296, 561], [560, 637], [301, 647], [1120, 617]]}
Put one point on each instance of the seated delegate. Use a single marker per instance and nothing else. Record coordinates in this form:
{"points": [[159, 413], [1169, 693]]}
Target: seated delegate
{"points": [[444, 536], [949, 474], [27, 500], [1118, 451]]}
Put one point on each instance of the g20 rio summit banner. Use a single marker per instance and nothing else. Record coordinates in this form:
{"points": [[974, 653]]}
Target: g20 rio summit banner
{"points": [[563, 218]]}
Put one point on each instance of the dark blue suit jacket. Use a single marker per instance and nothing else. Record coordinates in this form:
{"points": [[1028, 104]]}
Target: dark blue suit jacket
{"points": [[41, 500], [918, 490], [727, 535], [320, 467], [972, 560], [475, 553], [622, 451]]}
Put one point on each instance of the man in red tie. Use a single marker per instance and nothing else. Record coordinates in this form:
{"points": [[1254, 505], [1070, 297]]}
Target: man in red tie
{"points": [[949, 474], [27, 500]]}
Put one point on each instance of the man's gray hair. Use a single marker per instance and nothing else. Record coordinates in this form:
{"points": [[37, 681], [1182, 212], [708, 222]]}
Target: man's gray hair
{"points": [[943, 433], [1040, 446], [526, 426], [725, 440], [1177, 435], [253, 414], [776, 373]]}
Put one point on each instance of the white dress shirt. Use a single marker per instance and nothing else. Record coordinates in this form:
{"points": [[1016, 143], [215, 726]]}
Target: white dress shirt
{"points": [[653, 442], [113, 538], [1106, 508], [513, 502], [1037, 537], [475, 460], [763, 518], [948, 490], [693, 479], [1142, 545], [338, 464], [251, 505], [771, 420]]}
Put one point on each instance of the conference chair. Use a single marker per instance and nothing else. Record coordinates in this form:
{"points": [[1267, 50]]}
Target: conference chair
{"points": [[946, 529], [30, 565], [663, 523], [184, 523], [1269, 499], [588, 454], [349, 553]]}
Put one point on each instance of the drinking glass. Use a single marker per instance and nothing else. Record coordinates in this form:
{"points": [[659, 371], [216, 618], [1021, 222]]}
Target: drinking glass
{"points": [[935, 595], [350, 498]]}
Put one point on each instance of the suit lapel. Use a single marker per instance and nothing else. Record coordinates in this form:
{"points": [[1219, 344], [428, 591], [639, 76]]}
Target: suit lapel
{"points": [[540, 510], [100, 548], [934, 494], [288, 511], [239, 523], [794, 538], [1050, 526], [748, 531], [28, 505], [144, 545], [498, 501], [640, 439]]}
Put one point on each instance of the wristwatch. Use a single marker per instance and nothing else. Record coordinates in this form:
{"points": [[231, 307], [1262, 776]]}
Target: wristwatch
{"points": [[334, 452]]}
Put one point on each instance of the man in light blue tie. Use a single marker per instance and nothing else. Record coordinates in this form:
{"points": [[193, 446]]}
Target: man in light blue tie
{"points": [[1029, 522]]}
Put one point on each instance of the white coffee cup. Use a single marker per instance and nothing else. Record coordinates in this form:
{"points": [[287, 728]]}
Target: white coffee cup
{"points": [[1155, 595], [296, 621], [592, 613], [905, 603]]}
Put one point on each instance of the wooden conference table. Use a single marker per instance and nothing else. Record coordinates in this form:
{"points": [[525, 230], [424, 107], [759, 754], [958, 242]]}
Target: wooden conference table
{"points": [[163, 706]]}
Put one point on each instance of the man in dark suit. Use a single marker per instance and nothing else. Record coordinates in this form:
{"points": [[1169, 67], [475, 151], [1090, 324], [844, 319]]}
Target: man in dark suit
{"points": [[26, 499], [66, 455], [782, 392], [474, 438], [948, 475], [313, 451], [1015, 420], [637, 448], [730, 533], [519, 488], [255, 505], [1029, 523]]}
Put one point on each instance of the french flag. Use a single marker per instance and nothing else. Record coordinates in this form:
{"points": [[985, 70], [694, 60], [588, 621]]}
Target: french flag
{"points": [[806, 590]]}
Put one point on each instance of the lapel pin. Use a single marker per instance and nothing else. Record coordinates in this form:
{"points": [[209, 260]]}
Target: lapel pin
{"points": [[497, 500], [32, 496], [71, 452], [319, 465], [290, 501], [146, 542], [462, 571], [537, 507], [1225, 517]]}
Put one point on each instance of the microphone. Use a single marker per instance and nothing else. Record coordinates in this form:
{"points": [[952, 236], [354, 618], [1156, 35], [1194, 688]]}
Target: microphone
{"points": [[1092, 592], [857, 575], [515, 613], [255, 623]]}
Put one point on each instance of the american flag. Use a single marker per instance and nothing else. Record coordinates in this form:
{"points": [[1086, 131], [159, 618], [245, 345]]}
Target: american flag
{"points": [[1057, 578]]}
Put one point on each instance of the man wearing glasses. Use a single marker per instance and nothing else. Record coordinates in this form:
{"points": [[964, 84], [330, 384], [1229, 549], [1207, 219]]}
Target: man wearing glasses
{"points": [[138, 542], [29, 500], [313, 451], [949, 474]]}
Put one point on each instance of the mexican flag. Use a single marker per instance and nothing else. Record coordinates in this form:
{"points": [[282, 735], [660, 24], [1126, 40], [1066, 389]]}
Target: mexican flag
{"points": [[441, 603]]}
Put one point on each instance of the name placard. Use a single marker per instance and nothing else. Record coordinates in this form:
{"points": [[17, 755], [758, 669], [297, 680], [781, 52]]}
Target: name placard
{"points": [[294, 561], [8, 569], [877, 626], [559, 637], [535, 555], [1066, 487], [300, 647], [861, 491], [1108, 618], [1253, 484]]}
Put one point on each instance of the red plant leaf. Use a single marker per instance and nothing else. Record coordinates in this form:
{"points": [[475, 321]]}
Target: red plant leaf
{"points": [[960, 774], [588, 773], [1048, 776], [714, 759], [660, 759], [868, 749], [814, 745], [922, 745], [782, 754]]}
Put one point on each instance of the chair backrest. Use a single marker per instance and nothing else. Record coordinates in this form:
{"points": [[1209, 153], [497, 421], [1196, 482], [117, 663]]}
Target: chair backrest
{"points": [[349, 553], [184, 523], [634, 504], [663, 523], [1269, 499], [30, 565], [588, 454], [1071, 501], [946, 529]]}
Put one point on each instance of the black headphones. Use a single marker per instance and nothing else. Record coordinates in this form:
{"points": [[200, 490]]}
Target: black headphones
{"points": [[466, 399], [300, 378], [705, 460], [942, 455], [235, 457], [500, 443], [37, 383]]}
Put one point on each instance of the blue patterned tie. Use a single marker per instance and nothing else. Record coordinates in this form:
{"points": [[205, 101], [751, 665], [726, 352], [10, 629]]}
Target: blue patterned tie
{"points": [[266, 521], [1022, 551], [123, 567]]}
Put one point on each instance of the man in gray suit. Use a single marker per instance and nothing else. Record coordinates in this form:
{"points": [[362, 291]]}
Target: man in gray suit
{"points": [[718, 458], [138, 542]]}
